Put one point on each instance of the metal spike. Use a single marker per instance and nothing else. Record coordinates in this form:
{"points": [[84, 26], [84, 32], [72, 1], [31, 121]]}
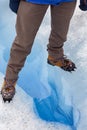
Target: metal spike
{"points": [[4, 100], [8, 100]]}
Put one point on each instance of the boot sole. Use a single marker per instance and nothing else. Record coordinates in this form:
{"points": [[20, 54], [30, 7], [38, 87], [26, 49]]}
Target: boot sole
{"points": [[50, 63], [61, 67], [7, 100]]}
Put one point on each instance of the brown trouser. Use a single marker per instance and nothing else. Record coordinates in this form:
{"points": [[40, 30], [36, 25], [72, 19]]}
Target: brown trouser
{"points": [[29, 18]]}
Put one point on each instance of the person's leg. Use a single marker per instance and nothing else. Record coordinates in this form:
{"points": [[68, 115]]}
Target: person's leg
{"points": [[29, 18], [60, 20]]}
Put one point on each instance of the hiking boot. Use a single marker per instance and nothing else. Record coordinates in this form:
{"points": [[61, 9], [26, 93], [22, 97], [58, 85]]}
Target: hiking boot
{"points": [[8, 90], [63, 63]]}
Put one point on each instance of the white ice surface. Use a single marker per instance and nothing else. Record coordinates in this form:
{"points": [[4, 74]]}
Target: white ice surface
{"points": [[19, 114]]}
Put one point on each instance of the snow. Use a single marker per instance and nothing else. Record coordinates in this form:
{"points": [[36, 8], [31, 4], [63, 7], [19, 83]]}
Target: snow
{"points": [[19, 114], [46, 90]]}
